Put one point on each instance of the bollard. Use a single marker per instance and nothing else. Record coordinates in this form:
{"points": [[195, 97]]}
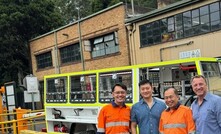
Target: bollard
{"points": [[14, 127], [22, 125]]}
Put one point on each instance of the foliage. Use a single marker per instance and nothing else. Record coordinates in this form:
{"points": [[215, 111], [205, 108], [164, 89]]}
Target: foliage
{"points": [[21, 20], [69, 9]]}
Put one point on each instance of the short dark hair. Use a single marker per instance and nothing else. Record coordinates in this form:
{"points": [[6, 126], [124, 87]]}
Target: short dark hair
{"points": [[174, 89], [145, 81], [120, 85], [198, 76]]}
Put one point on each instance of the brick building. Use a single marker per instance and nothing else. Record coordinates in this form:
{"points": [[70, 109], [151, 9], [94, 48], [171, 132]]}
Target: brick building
{"points": [[103, 39]]}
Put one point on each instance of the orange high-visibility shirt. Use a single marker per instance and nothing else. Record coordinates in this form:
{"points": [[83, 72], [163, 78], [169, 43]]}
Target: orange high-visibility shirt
{"points": [[178, 121], [113, 119]]}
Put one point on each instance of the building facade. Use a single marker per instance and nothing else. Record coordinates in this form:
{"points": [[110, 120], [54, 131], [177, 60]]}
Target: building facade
{"points": [[189, 28], [95, 42]]}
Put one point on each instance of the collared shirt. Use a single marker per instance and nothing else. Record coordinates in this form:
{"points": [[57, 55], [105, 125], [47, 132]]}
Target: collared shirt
{"points": [[176, 107], [207, 116], [177, 121], [147, 118], [114, 119], [115, 104]]}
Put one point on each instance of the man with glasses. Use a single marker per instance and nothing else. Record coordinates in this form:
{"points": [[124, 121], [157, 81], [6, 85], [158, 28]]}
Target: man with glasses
{"points": [[176, 119], [114, 118], [146, 113], [206, 108]]}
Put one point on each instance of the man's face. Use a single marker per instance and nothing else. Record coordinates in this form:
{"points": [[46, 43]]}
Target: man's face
{"points": [[199, 86], [171, 99], [146, 91], [119, 95]]}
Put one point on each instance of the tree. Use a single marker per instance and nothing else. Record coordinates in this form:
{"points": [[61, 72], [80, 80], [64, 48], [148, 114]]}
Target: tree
{"points": [[21, 20], [69, 9]]}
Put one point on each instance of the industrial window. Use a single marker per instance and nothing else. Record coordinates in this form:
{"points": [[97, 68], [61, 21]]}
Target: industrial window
{"points": [[204, 19], [105, 45], [189, 23], [70, 53], [178, 26], [44, 60], [215, 16]]}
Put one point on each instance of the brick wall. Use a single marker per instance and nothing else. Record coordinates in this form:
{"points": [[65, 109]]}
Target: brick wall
{"points": [[107, 21]]}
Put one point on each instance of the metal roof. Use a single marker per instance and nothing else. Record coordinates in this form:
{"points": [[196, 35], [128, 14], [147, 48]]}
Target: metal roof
{"points": [[163, 10]]}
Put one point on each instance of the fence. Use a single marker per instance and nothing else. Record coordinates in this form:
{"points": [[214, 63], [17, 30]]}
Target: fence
{"points": [[20, 120]]}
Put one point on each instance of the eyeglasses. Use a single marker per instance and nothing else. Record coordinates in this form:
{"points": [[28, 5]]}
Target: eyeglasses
{"points": [[120, 92]]}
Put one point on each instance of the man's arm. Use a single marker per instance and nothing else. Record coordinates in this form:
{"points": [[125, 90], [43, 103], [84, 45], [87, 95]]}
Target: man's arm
{"points": [[190, 122], [133, 128], [101, 122], [218, 112], [161, 126]]}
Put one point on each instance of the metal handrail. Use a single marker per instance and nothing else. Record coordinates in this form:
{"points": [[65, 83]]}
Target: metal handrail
{"points": [[14, 122]]}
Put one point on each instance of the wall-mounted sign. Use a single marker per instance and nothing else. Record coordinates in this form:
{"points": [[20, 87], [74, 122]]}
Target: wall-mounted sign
{"points": [[190, 54]]}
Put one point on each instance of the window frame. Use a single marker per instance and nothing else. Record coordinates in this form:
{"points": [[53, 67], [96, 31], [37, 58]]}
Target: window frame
{"points": [[104, 45], [44, 60], [70, 53]]}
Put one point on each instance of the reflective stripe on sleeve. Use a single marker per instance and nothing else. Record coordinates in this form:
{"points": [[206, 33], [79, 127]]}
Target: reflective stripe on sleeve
{"points": [[113, 124], [174, 126], [101, 130], [161, 132], [124, 133], [193, 132]]}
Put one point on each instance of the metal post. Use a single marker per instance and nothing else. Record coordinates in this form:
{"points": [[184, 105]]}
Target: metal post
{"points": [[33, 102], [57, 67], [80, 40], [132, 4], [14, 127], [183, 90], [33, 107]]}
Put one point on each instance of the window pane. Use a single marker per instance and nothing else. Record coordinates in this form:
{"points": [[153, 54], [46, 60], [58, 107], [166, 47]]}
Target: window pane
{"points": [[195, 13], [215, 25], [187, 19], [109, 37], [214, 7], [98, 40], [108, 44], [70, 53], [215, 16], [150, 33], [179, 34], [205, 27], [143, 28], [170, 20], [178, 19], [156, 24], [204, 19], [163, 23], [156, 32], [204, 10], [44, 60], [157, 39], [196, 21], [143, 35], [163, 26]]}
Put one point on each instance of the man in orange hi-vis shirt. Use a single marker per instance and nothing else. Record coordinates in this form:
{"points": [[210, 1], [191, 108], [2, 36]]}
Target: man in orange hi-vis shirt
{"points": [[114, 118], [176, 119]]}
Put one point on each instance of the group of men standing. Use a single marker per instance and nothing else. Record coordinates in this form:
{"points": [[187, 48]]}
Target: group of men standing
{"points": [[153, 116]]}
